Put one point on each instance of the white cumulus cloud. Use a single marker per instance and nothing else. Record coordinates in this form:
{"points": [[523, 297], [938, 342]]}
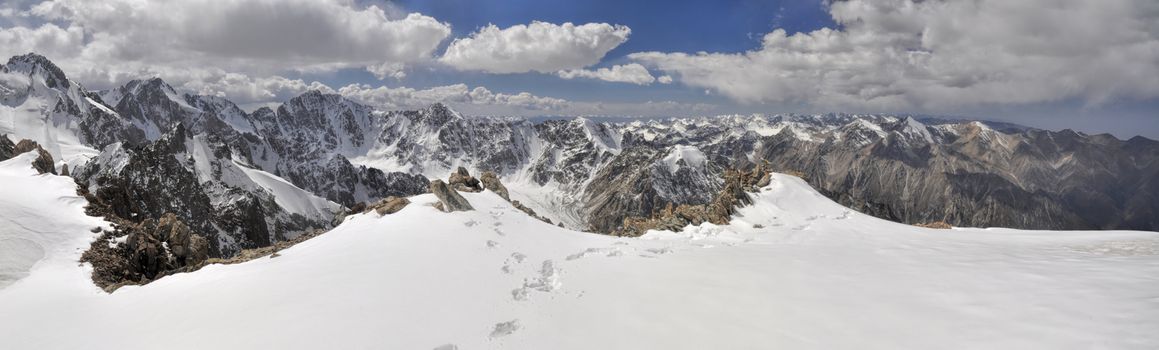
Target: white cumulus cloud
{"points": [[456, 94], [104, 43], [482, 101], [387, 70], [930, 55], [540, 46], [633, 73]]}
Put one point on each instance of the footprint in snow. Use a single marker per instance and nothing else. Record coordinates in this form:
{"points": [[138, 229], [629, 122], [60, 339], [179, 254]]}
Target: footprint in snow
{"points": [[471, 223], [492, 244], [505, 328], [547, 281], [659, 251], [800, 228], [509, 264], [591, 251], [447, 347], [519, 294]]}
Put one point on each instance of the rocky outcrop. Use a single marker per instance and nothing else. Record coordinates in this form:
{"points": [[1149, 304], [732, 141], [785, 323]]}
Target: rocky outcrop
{"points": [[491, 182], [165, 244], [163, 176], [673, 217], [7, 148], [389, 205], [449, 199], [529, 212], [942, 225], [137, 253], [43, 162], [462, 181]]}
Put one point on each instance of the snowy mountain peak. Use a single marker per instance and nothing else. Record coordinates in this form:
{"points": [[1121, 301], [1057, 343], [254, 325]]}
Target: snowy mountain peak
{"points": [[439, 114], [600, 134], [35, 64], [684, 156], [912, 129], [136, 86]]}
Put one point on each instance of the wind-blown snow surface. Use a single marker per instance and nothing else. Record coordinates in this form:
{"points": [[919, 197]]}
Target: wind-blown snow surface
{"points": [[815, 276], [42, 222]]}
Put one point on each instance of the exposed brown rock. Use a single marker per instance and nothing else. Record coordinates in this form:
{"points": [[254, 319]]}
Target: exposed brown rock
{"points": [[936, 224], [719, 211], [491, 182], [256, 253], [529, 211], [764, 181], [64, 170], [461, 180], [25, 145], [150, 249], [43, 162], [450, 199], [390, 205], [357, 208]]}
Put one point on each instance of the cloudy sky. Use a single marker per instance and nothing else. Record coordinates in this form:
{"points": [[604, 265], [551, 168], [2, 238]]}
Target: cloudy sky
{"points": [[1087, 65]]}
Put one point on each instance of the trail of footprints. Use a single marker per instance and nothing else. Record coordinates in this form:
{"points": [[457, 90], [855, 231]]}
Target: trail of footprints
{"points": [[548, 278]]}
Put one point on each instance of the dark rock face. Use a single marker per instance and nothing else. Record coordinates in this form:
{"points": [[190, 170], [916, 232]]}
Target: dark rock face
{"points": [[146, 182], [163, 245], [490, 181], [136, 253], [308, 141], [7, 148], [430, 141], [450, 199], [974, 176]]}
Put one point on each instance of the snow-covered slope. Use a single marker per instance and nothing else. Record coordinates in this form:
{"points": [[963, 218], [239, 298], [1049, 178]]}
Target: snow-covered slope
{"points": [[42, 227], [816, 275]]}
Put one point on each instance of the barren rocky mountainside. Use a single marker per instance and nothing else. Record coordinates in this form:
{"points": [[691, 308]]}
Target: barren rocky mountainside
{"points": [[249, 179]]}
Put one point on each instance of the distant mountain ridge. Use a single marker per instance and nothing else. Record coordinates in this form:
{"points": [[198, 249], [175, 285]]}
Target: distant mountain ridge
{"points": [[249, 179]]}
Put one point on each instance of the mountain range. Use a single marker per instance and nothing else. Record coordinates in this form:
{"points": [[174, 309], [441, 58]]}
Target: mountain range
{"points": [[250, 179]]}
